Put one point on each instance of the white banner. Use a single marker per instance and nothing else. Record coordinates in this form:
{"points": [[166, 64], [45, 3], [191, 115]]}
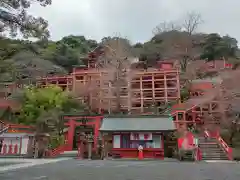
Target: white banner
{"points": [[141, 136]]}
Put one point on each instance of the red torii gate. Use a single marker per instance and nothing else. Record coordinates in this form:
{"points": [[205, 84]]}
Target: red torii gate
{"points": [[79, 120]]}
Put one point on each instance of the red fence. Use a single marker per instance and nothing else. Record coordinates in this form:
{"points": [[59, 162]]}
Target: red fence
{"points": [[10, 149], [223, 144], [188, 143]]}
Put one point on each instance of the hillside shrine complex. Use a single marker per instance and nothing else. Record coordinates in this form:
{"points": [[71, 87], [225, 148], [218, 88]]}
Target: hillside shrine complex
{"points": [[143, 133]]}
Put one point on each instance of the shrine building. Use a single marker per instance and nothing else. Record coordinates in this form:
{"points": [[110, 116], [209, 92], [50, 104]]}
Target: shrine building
{"points": [[121, 136]]}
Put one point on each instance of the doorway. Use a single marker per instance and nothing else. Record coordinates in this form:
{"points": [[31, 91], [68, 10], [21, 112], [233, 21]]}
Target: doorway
{"points": [[80, 134]]}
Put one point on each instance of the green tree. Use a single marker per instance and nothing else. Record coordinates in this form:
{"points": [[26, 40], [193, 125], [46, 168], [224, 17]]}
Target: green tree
{"points": [[37, 102], [68, 51], [43, 108], [14, 18], [217, 47]]}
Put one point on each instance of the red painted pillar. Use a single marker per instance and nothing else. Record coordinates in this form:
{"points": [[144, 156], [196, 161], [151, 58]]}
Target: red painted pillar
{"points": [[15, 150], [70, 135], [20, 147], [10, 149]]}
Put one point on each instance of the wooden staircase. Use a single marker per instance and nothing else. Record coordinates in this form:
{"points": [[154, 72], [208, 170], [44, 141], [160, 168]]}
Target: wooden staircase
{"points": [[213, 147], [3, 127]]}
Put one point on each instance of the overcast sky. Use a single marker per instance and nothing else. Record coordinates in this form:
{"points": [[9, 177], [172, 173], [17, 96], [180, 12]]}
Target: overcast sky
{"points": [[135, 19]]}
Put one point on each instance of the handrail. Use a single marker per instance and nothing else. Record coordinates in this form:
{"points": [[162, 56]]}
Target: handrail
{"points": [[190, 146], [225, 147], [4, 129], [198, 156], [220, 140], [58, 150], [206, 133]]}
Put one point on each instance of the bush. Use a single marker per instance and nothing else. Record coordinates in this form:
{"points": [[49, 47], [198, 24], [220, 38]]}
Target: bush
{"points": [[56, 141], [236, 154]]}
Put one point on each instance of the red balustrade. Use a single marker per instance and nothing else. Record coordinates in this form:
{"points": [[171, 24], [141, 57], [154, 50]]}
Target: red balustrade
{"points": [[188, 142], [57, 151], [10, 149], [226, 147], [198, 156]]}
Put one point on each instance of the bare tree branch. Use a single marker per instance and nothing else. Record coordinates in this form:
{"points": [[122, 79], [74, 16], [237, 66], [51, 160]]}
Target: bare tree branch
{"points": [[166, 27], [192, 22]]}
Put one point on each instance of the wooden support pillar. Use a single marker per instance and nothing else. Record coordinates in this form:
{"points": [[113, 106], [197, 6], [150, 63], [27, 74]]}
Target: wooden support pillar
{"points": [[178, 87], [165, 88], [153, 88], [177, 124], [141, 94], [100, 92], [210, 107], [129, 94], [109, 99], [70, 136], [194, 117], [96, 132], [184, 119]]}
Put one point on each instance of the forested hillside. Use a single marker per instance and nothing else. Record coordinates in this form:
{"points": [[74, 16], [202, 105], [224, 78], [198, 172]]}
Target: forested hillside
{"points": [[21, 59], [41, 58]]}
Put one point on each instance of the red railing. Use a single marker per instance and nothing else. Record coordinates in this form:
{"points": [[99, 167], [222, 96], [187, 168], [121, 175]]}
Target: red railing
{"points": [[10, 149], [227, 149], [198, 154], [60, 149], [224, 145], [3, 127], [190, 145]]}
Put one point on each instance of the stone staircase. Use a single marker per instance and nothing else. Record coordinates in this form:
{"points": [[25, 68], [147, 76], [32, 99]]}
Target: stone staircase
{"points": [[3, 127], [211, 149], [74, 154]]}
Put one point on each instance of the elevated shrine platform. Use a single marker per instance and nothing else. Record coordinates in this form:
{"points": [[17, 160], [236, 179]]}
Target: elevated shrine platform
{"points": [[190, 112]]}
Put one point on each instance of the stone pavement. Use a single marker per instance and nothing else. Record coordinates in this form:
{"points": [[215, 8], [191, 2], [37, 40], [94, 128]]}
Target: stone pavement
{"points": [[125, 170], [17, 163]]}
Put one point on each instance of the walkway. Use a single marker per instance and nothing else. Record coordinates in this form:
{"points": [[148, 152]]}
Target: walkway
{"points": [[125, 170]]}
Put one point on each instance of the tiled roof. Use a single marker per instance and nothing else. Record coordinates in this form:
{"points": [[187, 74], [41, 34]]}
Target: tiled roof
{"points": [[137, 124], [193, 102]]}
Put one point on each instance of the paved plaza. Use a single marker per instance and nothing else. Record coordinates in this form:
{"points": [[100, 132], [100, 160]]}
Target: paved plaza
{"points": [[72, 169]]}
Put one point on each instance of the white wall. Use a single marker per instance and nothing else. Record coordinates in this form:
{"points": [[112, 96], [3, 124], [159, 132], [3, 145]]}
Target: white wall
{"points": [[18, 141], [157, 141], [24, 145], [116, 141]]}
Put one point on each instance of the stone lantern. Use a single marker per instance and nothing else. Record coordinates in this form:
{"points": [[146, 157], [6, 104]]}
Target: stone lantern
{"points": [[90, 140]]}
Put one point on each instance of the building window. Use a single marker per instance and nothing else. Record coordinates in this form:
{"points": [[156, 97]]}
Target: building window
{"points": [[154, 143], [124, 141], [116, 141]]}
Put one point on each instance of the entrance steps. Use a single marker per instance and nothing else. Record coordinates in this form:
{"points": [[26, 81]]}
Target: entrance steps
{"points": [[68, 154], [211, 149], [74, 154]]}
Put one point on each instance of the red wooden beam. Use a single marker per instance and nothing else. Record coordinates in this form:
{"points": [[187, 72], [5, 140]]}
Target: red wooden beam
{"points": [[80, 117]]}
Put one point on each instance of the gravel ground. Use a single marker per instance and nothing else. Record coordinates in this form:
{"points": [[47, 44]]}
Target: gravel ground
{"points": [[126, 170]]}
